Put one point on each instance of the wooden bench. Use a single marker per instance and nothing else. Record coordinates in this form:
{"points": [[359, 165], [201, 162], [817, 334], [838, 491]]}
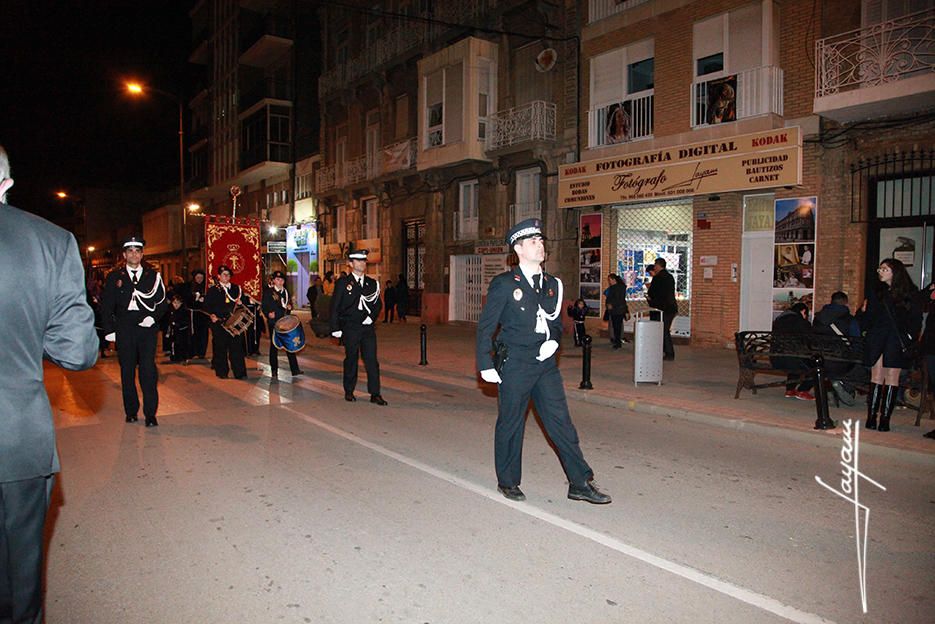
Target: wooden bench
{"points": [[755, 350]]}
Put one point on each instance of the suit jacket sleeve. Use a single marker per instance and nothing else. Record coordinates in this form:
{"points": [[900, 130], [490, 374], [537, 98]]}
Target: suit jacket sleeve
{"points": [[70, 339], [497, 298], [334, 323]]}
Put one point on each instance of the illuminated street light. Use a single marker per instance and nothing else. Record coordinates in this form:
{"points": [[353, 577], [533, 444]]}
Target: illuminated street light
{"points": [[135, 87], [91, 248], [194, 207], [61, 195], [272, 229]]}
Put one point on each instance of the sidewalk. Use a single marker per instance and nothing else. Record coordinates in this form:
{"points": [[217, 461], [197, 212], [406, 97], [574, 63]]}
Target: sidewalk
{"points": [[699, 385]]}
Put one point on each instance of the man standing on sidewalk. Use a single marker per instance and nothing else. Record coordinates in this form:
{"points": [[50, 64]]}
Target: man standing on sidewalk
{"points": [[355, 307], [661, 296], [525, 304], [45, 315]]}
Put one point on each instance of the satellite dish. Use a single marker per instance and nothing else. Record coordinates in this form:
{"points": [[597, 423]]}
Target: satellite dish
{"points": [[546, 59]]}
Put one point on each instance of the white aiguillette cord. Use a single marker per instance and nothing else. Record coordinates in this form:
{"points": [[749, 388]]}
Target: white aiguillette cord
{"points": [[141, 297], [542, 317], [365, 299]]}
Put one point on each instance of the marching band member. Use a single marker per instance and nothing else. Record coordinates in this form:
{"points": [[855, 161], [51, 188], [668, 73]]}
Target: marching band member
{"points": [[355, 307], [195, 301], [276, 304], [134, 300], [220, 301]]}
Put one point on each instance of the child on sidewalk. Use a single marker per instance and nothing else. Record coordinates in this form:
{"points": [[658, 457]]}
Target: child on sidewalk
{"points": [[578, 312], [178, 330]]}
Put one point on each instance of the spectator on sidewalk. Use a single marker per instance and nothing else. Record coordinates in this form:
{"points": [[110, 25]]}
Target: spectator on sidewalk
{"points": [[402, 298], [617, 307], [661, 295], [578, 313], [835, 319], [327, 284], [793, 322], [389, 301], [46, 316], [314, 289]]}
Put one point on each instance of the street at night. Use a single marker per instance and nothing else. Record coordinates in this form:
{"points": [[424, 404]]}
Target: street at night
{"points": [[263, 502]]}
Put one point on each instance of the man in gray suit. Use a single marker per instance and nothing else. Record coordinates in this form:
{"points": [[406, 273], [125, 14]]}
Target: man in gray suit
{"points": [[45, 315]]}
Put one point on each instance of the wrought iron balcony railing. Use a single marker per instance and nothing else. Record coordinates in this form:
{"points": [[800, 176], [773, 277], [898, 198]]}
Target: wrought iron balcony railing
{"points": [[534, 121], [745, 94], [881, 53], [599, 9], [630, 119]]}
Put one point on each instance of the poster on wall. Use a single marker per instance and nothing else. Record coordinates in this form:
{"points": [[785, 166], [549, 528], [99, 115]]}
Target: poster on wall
{"points": [[589, 261], [794, 253]]}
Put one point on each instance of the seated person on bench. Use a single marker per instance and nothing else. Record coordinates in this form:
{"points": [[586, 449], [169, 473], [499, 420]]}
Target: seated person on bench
{"points": [[835, 319], [792, 322]]}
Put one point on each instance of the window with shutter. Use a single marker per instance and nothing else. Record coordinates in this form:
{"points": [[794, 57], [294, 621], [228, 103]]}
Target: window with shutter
{"points": [[434, 108], [454, 99]]}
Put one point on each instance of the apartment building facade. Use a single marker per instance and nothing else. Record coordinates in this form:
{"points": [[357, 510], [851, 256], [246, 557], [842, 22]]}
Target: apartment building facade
{"points": [[771, 152], [442, 124]]}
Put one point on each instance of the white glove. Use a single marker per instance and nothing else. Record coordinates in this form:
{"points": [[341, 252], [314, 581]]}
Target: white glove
{"points": [[367, 321], [337, 334], [147, 322], [490, 375], [547, 350], [111, 337]]}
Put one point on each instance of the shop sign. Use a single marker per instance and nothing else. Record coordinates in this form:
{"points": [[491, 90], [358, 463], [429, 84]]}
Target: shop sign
{"points": [[276, 247], [372, 245], [743, 162], [333, 251], [484, 248]]}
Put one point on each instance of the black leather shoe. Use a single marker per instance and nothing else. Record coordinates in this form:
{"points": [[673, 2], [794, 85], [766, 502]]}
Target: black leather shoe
{"points": [[152, 422], [297, 373], [512, 492], [668, 358], [132, 419], [588, 493], [349, 397], [376, 398], [274, 374]]}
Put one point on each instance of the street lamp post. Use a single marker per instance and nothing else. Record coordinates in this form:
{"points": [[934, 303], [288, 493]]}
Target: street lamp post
{"points": [[135, 88], [87, 256]]}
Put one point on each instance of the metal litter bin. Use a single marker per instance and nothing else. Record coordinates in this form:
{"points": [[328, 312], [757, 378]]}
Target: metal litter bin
{"points": [[647, 350]]}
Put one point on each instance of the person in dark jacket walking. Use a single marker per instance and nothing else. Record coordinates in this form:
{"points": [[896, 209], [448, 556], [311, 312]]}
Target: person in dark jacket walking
{"points": [[617, 308], [402, 298], [661, 295], [794, 322], [389, 302], [892, 318]]}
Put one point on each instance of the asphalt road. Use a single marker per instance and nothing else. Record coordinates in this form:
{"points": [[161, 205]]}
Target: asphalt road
{"points": [[259, 502]]}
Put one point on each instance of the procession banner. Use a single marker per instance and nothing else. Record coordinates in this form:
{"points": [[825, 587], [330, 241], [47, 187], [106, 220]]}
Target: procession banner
{"points": [[235, 243], [744, 162]]}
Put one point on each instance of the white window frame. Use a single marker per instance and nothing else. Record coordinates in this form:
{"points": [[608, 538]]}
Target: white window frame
{"points": [[440, 126], [631, 53], [467, 210], [486, 91], [725, 52]]}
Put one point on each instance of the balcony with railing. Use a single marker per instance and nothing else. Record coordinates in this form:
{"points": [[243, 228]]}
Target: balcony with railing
{"points": [[882, 70], [631, 119], [521, 211], [266, 40], [516, 127], [266, 89], [399, 156], [400, 39], [599, 9], [749, 93]]}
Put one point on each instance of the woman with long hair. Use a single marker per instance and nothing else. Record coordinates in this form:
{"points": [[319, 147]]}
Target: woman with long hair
{"points": [[892, 319]]}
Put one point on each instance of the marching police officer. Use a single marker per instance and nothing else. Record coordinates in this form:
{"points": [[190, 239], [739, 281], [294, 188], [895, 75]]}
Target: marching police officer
{"points": [[525, 304], [355, 307], [220, 302], [134, 300], [276, 304]]}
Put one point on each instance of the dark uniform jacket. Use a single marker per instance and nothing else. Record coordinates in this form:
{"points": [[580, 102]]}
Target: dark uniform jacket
{"points": [[118, 290], [345, 303], [512, 304], [195, 295], [221, 303], [661, 292], [275, 302], [45, 315]]}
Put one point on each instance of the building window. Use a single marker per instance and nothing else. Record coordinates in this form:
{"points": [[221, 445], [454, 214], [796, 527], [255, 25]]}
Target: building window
{"points": [[466, 222], [402, 116], [434, 108], [528, 205], [340, 231], [710, 64], [483, 100], [622, 95], [370, 218]]}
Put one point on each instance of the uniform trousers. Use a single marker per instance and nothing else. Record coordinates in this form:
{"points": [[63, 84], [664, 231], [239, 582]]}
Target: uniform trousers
{"points": [[274, 358], [224, 346], [361, 343], [199, 344], [136, 348], [23, 507], [542, 382]]}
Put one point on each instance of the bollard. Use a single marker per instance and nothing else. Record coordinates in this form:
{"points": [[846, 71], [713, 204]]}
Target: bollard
{"points": [[821, 395], [586, 364], [422, 345]]}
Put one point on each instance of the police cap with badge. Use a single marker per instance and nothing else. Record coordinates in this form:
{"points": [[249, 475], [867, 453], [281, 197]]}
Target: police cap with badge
{"points": [[526, 228], [279, 274], [358, 254], [134, 241]]}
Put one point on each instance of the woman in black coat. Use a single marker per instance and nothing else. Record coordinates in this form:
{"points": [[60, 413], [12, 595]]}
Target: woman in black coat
{"points": [[892, 319]]}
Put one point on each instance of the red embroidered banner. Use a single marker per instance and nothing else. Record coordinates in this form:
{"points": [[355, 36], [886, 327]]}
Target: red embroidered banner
{"points": [[235, 243]]}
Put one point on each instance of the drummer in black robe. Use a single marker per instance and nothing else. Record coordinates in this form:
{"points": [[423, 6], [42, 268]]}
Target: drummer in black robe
{"points": [[276, 304], [220, 302]]}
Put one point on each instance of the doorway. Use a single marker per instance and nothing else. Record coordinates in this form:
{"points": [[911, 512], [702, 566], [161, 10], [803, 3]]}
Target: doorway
{"points": [[413, 261]]}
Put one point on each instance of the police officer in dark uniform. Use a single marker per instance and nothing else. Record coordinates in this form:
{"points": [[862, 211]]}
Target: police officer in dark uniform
{"points": [[195, 301], [355, 307], [220, 301], [134, 300], [525, 304], [276, 304]]}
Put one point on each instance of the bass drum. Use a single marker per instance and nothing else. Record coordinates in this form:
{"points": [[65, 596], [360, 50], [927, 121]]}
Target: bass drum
{"points": [[288, 334]]}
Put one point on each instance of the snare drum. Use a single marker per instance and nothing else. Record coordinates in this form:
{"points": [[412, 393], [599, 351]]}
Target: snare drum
{"points": [[239, 321], [288, 334]]}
